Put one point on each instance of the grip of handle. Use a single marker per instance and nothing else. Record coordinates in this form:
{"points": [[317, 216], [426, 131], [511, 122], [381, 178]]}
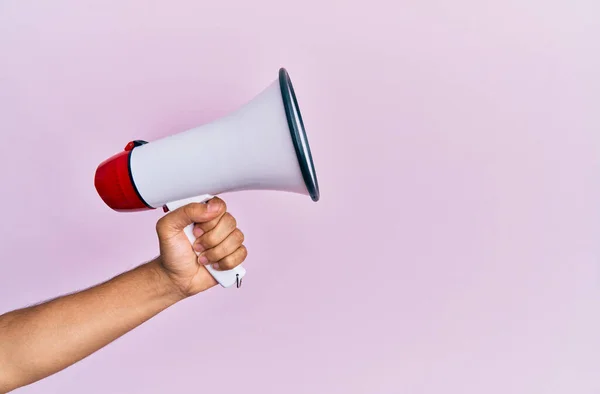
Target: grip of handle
{"points": [[226, 278]]}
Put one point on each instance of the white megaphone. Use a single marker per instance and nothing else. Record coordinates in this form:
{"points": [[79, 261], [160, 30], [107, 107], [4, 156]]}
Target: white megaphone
{"points": [[261, 146]]}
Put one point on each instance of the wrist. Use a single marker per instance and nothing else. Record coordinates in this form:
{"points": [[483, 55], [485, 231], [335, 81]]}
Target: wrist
{"points": [[165, 286]]}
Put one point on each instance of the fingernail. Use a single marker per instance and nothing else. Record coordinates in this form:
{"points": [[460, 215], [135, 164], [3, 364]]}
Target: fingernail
{"points": [[198, 232], [212, 206], [215, 266], [198, 247], [202, 259]]}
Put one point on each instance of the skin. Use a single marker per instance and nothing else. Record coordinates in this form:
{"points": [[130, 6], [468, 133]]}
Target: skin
{"points": [[42, 340]]}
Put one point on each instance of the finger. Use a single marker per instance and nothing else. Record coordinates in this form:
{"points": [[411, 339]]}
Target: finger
{"points": [[226, 225], [225, 248], [233, 260], [175, 221], [204, 227]]}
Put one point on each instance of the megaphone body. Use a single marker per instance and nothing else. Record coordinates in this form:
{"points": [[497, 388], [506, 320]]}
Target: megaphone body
{"points": [[261, 146]]}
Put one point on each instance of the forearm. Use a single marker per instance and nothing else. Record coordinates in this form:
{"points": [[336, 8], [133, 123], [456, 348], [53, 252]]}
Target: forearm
{"points": [[41, 340]]}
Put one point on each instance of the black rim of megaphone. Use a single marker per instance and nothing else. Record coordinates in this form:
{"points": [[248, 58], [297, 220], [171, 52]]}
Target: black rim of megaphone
{"points": [[296, 125]]}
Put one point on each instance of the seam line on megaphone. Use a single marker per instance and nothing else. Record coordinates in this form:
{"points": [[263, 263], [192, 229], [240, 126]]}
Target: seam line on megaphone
{"points": [[136, 143]]}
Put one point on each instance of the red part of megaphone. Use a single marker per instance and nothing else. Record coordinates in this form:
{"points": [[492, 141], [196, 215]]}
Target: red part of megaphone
{"points": [[114, 183]]}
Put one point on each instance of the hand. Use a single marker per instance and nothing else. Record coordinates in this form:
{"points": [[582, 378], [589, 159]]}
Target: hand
{"points": [[217, 238]]}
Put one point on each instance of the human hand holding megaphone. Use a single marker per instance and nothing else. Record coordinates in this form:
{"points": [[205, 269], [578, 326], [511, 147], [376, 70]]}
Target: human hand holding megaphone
{"points": [[218, 241], [261, 146]]}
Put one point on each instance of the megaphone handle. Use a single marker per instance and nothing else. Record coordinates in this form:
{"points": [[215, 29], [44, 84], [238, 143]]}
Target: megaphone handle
{"points": [[225, 278]]}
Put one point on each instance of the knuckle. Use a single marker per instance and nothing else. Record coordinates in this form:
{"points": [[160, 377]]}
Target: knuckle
{"points": [[230, 262], [210, 225], [189, 209], [234, 259], [209, 239], [194, 210], [239, 236], [227, 264], [217, 253], [230, 220], [160, 225], [211, 255], [228, 249]]}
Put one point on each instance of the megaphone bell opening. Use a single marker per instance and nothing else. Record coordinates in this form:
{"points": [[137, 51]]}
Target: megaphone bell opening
{"points": [[298, 134]]}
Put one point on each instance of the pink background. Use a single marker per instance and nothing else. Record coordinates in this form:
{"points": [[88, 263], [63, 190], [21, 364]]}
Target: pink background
{"points": [[456, 245]]}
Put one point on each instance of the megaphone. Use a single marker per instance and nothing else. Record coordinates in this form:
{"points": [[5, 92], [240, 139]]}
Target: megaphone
{"points": [[261, 146]]}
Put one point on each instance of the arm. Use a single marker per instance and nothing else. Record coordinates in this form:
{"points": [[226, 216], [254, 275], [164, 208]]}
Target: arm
{"points": [[39, 341]]}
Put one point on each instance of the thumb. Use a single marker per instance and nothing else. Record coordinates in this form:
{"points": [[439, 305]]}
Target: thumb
{"points": [[175, 221]]}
